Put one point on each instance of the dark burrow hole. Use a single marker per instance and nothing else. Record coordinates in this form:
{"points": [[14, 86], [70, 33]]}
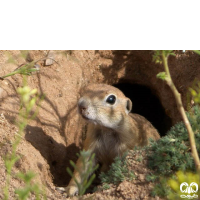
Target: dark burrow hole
{"points": [[54, 163], [146, 103]]}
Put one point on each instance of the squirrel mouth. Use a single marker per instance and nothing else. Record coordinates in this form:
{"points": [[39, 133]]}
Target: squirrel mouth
{"points": [[84, 117]]}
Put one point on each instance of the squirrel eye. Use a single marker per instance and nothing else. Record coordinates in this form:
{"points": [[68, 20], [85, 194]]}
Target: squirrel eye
{"points": [[111, 99]]}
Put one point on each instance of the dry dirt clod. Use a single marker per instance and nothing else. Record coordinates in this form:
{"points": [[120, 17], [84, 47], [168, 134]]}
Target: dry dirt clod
{"points": [[141, 177], [29, 57]]}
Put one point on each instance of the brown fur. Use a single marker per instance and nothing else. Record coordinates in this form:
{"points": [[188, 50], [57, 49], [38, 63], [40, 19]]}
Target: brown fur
{"points": [[112, 129]]}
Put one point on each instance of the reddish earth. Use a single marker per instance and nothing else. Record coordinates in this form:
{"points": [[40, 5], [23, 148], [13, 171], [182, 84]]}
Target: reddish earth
{"points": [[56, 135]]}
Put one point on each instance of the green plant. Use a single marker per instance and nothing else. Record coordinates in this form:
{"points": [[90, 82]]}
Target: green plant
{"points": [[172, 152], [87, 169], [106, 186], [26, 69], [186, 179], [30, 187], [117, 173], [28, 99], [161, 188]]}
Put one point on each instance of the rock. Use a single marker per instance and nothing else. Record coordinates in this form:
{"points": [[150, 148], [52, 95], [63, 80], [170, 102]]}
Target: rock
{"points": [[50, 58], [141, 177]]}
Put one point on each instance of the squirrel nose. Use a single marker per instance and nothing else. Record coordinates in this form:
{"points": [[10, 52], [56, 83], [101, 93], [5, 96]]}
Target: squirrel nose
{"points": [[82, 105]]}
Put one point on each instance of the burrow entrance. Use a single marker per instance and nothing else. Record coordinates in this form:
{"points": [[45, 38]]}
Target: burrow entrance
{"points": [[147, 104]]}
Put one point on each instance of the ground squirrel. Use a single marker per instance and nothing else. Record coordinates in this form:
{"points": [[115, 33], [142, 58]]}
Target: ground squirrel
{"points": [[112, 129]]}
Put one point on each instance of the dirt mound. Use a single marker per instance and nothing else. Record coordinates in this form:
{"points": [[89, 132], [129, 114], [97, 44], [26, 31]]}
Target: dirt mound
{"points": [[55, 136]]}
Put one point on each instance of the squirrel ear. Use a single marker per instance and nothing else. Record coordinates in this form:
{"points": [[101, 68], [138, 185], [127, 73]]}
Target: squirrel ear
{"points": [[128, 105]]}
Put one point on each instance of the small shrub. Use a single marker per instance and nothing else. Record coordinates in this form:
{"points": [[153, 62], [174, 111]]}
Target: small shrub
{"points": [[117, 173], [106, 186], [161, 189], [172, 152]]}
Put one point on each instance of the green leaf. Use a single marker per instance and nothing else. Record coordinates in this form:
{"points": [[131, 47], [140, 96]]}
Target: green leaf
{"points": [[84, 172], [89, 182], [162, 75], [23, 193], [197, 52], [69, 171], [72, 164], [106, 186], [157, 57], [168, 52], [26, 177]]}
